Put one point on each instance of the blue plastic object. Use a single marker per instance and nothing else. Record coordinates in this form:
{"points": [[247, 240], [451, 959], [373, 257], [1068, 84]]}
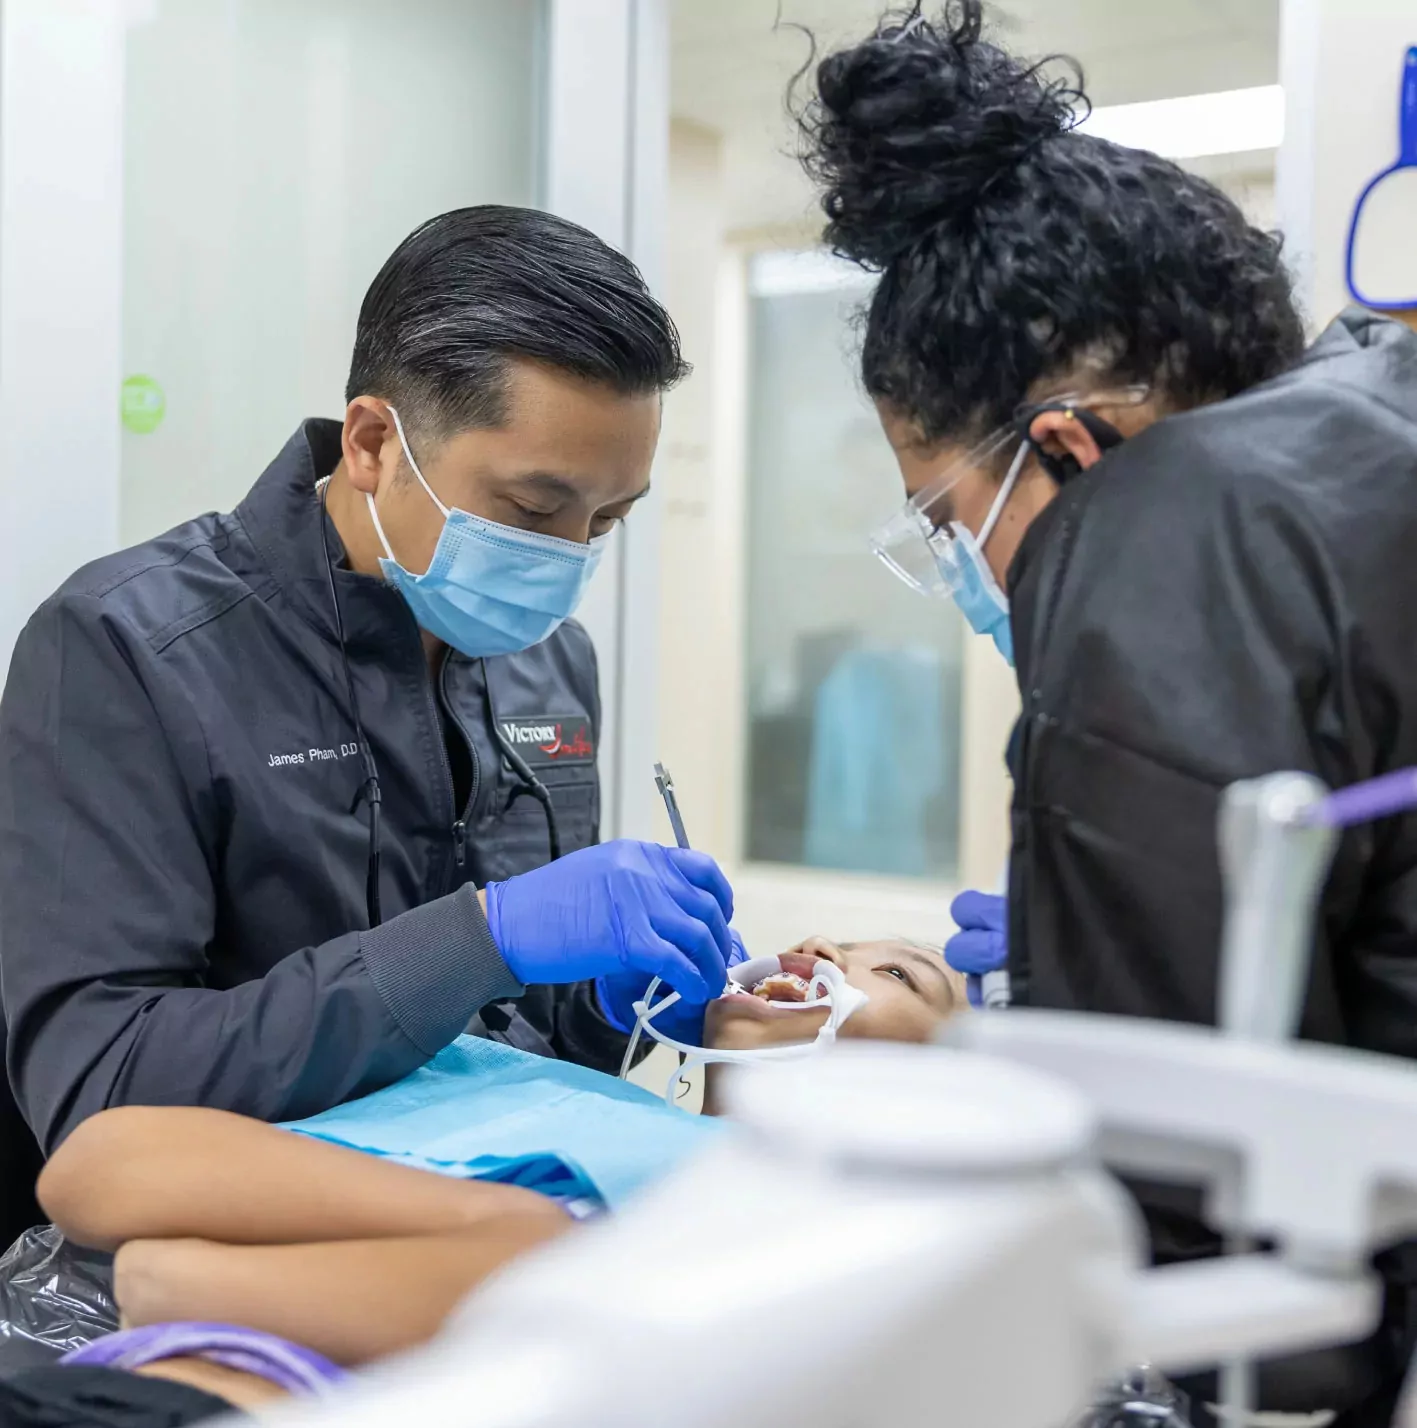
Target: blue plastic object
{"points": [[877, 762], [980, 949], [1406, 159]]}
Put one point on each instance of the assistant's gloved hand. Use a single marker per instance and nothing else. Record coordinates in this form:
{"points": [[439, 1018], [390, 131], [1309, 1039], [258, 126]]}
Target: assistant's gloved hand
{"points": [[615, 908], [684, 1021], [982, 942]]}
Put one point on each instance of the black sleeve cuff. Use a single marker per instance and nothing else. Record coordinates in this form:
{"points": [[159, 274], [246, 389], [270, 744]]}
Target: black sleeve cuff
{"points": [[436, 967]]}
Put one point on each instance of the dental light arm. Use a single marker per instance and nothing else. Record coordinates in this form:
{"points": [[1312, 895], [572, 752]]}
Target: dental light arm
{"points": [[1273, 859]]}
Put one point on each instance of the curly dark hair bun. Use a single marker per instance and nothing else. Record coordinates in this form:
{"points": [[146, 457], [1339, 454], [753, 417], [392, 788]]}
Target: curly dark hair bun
{"points": [[913, 125], [1014, 247]]}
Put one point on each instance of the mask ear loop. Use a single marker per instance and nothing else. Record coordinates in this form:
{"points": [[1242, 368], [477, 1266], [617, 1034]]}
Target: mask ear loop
{"points": [[1001, 500], [413, 466]]}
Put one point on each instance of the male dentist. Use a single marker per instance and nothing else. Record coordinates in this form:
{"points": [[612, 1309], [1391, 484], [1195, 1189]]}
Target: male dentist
{"points": [[282, 792]]}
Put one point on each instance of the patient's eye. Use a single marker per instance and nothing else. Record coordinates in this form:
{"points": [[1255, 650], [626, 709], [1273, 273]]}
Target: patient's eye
{"points": [[900, 974]]}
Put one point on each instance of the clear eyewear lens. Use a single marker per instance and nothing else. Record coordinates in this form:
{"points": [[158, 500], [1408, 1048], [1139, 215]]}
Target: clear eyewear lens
{"points": [[909, 554], [917, 544]]}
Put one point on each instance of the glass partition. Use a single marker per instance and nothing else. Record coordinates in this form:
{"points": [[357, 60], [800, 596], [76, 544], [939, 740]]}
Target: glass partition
{"points": [[854, 680]]}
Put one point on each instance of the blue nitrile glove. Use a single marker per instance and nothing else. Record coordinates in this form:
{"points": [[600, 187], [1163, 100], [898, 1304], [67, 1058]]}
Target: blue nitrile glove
{"points": [[617, 907], [684, 1021], [982, 942]]}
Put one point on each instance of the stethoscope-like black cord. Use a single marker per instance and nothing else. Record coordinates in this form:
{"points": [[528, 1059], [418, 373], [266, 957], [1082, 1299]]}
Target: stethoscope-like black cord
{"points": [[369, 791], [534, 786]]}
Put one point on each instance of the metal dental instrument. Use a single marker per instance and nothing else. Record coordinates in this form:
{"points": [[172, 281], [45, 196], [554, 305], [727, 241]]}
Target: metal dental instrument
{"points": [[665, 784]]}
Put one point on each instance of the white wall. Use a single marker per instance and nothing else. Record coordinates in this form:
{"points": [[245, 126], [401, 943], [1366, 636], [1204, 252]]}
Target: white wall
{"points": [[274, 156], [61, 113], [201, 193], [699, 474]]}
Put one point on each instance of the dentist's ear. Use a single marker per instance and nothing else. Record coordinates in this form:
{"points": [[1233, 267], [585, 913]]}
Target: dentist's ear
{"points": [[369, 444]]}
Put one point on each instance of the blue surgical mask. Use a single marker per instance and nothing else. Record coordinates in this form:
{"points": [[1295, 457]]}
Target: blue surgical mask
{"points": [[976, 592], [490, 589]]}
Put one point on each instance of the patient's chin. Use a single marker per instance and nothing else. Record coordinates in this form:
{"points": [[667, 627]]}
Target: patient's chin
{"points": [[748, 1024], [915, 1027]]}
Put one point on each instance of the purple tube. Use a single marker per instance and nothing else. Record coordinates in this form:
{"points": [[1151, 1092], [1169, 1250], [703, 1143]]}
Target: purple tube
{"points": [[297, 1370], [1379, 797]]}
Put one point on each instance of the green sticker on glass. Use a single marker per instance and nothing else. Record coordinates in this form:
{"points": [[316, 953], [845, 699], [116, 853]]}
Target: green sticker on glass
{"points": [[142, 404]]}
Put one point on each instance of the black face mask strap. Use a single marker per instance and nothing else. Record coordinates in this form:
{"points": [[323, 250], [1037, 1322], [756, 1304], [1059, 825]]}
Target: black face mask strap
{"points": [[369, 791], [1063, 468]]}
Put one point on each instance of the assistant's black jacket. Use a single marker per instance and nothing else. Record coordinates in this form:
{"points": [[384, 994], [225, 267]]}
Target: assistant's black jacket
{"points": [[182, 909], [1230, 593]]}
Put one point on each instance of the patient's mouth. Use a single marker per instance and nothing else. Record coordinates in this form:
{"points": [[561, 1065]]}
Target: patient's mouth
{"points": [[787, 986], [782, 987], [791, 983]]}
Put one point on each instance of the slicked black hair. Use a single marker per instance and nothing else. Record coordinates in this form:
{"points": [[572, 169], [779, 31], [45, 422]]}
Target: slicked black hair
{"points": [[475, 288], [1013, 248]]}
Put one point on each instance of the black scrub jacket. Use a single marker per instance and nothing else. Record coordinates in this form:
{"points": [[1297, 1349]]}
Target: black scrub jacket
{"points": [[1230, 593], [182, 877]]}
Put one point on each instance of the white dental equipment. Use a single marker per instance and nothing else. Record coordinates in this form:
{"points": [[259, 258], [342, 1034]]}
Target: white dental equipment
{"points": [[930, 1213]]}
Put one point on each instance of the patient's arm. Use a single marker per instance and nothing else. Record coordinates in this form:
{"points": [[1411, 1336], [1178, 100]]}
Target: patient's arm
{"points": [[352, 1302], [141, 1172]]}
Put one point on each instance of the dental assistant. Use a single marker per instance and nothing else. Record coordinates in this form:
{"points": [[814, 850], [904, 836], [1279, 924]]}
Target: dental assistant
{"points": [[1191, 535], [292, 797]]}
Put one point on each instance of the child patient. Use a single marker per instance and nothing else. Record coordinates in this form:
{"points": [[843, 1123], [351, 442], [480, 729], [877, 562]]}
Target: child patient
{"points": [[217, 1218]]}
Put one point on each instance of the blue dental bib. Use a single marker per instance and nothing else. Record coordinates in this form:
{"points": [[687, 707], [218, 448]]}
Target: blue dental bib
{"points": [[480, 1110]]}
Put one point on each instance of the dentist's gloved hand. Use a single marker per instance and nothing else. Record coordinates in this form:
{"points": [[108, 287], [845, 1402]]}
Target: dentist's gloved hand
{"points": [[617, 908], [982, 943], [684, 1021]]}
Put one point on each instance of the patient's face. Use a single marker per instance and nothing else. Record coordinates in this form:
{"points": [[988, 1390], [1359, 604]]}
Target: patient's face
{"points": [[911, 992]]}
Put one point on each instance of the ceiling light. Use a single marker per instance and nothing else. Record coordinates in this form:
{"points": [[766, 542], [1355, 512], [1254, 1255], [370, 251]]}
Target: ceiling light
{"points": [[1232, 121]]}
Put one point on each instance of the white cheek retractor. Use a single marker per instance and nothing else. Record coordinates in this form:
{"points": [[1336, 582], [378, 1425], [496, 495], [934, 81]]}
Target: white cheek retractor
{"points": [[828, 985]]}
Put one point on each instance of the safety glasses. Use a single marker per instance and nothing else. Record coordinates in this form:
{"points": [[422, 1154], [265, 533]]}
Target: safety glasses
{"points": [[920, 544]]}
